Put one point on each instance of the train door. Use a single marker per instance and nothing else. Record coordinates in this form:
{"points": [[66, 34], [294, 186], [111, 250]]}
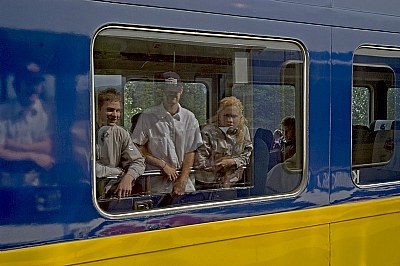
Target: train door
{"points": [[365, 114]]}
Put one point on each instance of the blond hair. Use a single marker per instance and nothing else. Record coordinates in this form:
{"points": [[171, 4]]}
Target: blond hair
{"points": [[232, 101]]}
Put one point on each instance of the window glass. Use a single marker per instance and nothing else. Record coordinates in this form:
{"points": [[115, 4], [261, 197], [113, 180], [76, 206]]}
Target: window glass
{"points": [[393, 98], [140, 95], [375, 123], [360, 106], [233, 103]]}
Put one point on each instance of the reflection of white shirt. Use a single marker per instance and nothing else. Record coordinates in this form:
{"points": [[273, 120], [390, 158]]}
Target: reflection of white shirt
{"points": [[23, 126], [281, 180], [168, 138]]}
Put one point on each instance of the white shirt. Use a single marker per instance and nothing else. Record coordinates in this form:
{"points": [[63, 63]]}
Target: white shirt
{"points": [[24, 126], [168, 138]]}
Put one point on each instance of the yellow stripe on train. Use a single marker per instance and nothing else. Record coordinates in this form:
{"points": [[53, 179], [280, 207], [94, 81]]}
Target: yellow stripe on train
{"points": [[347, 234]]}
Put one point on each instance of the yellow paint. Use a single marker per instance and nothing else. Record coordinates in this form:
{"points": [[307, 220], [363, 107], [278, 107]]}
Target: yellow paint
{"points": [[362, 233], [368, 241]]}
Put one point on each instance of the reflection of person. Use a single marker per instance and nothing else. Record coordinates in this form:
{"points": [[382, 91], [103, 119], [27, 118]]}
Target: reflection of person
{"points": [[117, 155], [24, 135], [227, 145], [168, 135], [288, 148]]}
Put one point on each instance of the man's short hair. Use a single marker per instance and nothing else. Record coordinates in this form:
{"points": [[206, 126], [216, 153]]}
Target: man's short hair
{"points": [[288, 121], [108, 95], [26, 78]]}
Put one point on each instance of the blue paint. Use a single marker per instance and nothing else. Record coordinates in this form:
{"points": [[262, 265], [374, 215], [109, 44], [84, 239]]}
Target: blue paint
{"points": [[60, 43]]}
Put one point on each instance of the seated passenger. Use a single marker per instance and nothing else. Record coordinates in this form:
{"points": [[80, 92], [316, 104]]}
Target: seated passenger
{"points": [[168, 135], [288, 144], [227, 145], [116, 153]]}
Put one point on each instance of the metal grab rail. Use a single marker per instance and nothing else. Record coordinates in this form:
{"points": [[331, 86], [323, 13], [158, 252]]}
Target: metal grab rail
{"points": [[103, 182]]}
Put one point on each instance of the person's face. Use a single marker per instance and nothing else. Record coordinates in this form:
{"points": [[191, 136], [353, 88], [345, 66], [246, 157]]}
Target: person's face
{"points": [[277, 134], [289, 133], [110, 112], [172, 97], [29, 94], [229, 117]]}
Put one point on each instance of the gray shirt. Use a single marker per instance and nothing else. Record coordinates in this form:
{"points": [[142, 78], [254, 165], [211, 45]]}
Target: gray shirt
{"points": [[220, 144], [116, 151]]}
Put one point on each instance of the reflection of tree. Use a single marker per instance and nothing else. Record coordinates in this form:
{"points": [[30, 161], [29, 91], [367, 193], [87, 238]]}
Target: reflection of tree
{"points": [[270, 103], [393, 95], [139, 95], [360, 106], [194, 98], [133, 103]]}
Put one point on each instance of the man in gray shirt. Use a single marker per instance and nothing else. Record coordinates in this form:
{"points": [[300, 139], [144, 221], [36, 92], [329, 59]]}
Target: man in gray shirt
{"points": [[116, 153]]}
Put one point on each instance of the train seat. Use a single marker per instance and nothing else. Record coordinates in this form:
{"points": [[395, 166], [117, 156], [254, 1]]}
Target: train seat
{"points": [[274, 154], [362, 145], [265, 135], [383, 141], [261, 158]]}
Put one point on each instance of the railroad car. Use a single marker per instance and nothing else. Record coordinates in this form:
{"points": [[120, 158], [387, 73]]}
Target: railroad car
{"points": [[331, 65]]}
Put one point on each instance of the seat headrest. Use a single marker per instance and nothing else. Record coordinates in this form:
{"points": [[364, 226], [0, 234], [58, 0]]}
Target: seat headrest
{"points": [[379, 125], [265, 135]]}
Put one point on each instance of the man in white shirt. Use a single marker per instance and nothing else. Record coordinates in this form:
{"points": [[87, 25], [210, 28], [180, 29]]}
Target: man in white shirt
{"points": [[168, 136]]}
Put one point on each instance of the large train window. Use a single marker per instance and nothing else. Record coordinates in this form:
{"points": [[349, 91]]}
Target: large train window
{"points": [[375, 115], [220, 115]]}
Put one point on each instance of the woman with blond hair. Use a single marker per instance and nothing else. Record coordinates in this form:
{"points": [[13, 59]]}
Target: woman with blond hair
{"points": [[227, 146]]}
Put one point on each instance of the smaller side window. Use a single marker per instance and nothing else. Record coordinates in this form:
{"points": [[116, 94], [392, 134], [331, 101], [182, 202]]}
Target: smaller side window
{"points": [[375, 120]]}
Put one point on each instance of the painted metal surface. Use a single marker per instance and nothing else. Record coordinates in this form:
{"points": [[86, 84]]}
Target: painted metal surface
{"points": [[66, 57], [344, 43], [300, 237], [39, 32]]}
